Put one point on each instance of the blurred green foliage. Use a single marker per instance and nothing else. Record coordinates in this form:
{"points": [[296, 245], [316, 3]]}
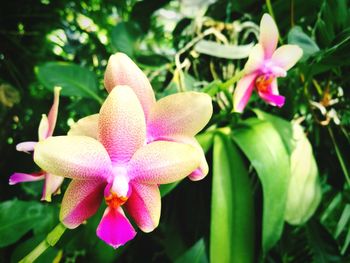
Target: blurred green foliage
{"points": [[182, 45]]}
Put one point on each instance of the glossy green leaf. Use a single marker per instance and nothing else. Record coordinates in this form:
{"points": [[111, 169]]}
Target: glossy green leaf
{"points": [[196, 254], [74, 80], [232, 209], [167, 188], [323, 246], [265, 149], [304, 192], [205, 139], [124, 36], [297, 36], [282, 126], [223, 51], [13, 226]]}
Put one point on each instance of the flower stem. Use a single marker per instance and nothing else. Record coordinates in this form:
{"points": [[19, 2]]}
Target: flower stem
{"points": [[50, 240], [270, 10], [232, 80], [339, 155]]}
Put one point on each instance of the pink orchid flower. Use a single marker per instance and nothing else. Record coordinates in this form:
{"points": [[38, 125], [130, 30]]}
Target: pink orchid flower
{"points": [[46, 127], [265, 64], [118, 166], [178, 117]]}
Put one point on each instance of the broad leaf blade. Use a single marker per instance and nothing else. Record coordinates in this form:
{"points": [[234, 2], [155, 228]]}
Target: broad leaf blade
{"points": [[223, 51], [124, 37], [297, 36], [74, 80], [13, 226], [196, 254], [167, 188], [232, 211], [283, 127], [264, 148]]}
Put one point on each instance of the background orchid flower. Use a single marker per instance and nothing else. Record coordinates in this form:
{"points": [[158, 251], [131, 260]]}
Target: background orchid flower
{"points": [[46, 127], [178, 117], [119, 167], [265, 64]]}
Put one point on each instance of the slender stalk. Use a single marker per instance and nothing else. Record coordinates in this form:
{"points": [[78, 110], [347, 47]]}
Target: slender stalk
{"points": [[41, 248], [50, 240], [340, 158], [270, 10], [232, 80]]}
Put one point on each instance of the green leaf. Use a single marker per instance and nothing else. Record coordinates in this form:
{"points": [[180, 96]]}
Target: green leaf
{"points": [[74, 80], [205, 139], [223, 51], [296, 36], [167, 188], [282, 126], [265, 149], [323, 246], [232, 209], [17, 218], [196, 254], [124, 36]]}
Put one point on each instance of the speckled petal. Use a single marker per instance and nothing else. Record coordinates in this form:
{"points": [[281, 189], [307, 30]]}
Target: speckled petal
{"points": [[287, 56], [87, 126], [121, 70], [51, 186], [163, 162], [268, 35], [243, 92], [81, 200], [114, 228], [144, 206], [181, 114], [122, 127], [76, 157]]}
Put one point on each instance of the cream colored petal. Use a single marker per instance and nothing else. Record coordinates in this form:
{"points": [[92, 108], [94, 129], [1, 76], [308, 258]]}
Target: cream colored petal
{"points": [[87, 126], [180, 114], [163, 162], [268, 35], [121, 70], [77, 157], [287, 56], [255, 61]]}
